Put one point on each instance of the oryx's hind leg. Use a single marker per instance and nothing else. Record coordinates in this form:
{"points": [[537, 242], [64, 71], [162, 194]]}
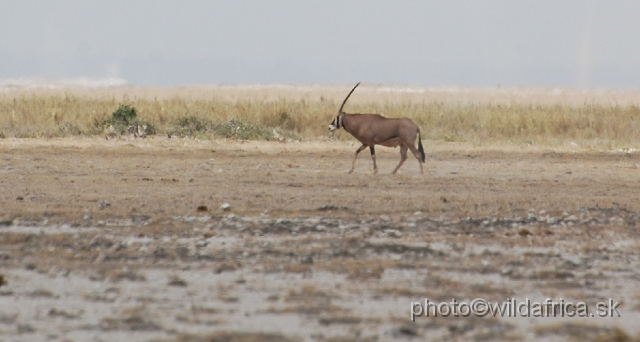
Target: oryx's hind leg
{"points": [[373, 157], [416, 153], [355, 155], [403, 157]]}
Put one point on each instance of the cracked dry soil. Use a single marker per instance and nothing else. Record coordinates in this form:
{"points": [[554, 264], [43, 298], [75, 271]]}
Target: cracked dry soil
{"points": [[126, 241]]}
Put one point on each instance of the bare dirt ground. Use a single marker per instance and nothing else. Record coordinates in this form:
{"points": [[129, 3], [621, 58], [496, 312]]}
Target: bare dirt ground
{"points": [[126, 241]]}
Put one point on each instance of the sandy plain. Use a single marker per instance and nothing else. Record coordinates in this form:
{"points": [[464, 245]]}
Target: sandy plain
{"points": [[126, 240]]}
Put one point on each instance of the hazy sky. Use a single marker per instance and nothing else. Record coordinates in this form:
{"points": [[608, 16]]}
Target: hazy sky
{"points": [[428, 43]]}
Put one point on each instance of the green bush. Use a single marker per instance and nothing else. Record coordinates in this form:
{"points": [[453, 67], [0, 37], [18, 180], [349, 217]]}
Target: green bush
{"points": [[124, 115], [120, 121]]}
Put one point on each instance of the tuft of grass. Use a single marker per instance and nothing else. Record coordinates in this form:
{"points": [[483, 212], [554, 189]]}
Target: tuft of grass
{"points": [[192, 126]]}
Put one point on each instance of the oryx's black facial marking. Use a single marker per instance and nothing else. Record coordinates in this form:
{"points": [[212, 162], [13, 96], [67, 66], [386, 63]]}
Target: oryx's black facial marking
{"points": [[336, 123]]}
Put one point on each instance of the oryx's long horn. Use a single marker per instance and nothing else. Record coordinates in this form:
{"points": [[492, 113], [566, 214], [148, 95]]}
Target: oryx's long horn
{"points": [[346, 98]]}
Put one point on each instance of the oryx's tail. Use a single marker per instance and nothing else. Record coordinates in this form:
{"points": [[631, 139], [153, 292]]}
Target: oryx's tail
{"points": [[420, 148]]}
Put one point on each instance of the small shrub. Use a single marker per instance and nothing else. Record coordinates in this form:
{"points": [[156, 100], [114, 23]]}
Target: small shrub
{"points": [[124, 115], [121, 122]]}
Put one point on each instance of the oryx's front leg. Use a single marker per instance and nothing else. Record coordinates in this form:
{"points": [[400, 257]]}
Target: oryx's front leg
{"points": [[373, 156], [355, 155]]}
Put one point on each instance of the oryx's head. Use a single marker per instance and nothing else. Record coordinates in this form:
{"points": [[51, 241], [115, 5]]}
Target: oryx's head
{"points": [[337, 123]]}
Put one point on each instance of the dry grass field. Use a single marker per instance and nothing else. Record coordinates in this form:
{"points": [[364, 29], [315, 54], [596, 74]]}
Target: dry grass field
{"points": [[104, 237], [544, 117]]}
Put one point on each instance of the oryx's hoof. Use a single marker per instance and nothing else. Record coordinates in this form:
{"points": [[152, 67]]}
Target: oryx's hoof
{"points": [[350, 172]]}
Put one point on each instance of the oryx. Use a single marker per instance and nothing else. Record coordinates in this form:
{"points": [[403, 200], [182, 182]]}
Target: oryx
{"points": [[375, 129]]}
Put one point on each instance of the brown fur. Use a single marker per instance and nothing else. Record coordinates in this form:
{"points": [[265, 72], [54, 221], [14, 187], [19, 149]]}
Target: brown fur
{"points": [[374, 129]]}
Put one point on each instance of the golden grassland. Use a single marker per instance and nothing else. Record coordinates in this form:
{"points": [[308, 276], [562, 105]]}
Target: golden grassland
{"points": [[491, 116]]}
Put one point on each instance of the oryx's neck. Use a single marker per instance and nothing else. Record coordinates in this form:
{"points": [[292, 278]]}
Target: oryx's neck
{"points": [[346, 118]]}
